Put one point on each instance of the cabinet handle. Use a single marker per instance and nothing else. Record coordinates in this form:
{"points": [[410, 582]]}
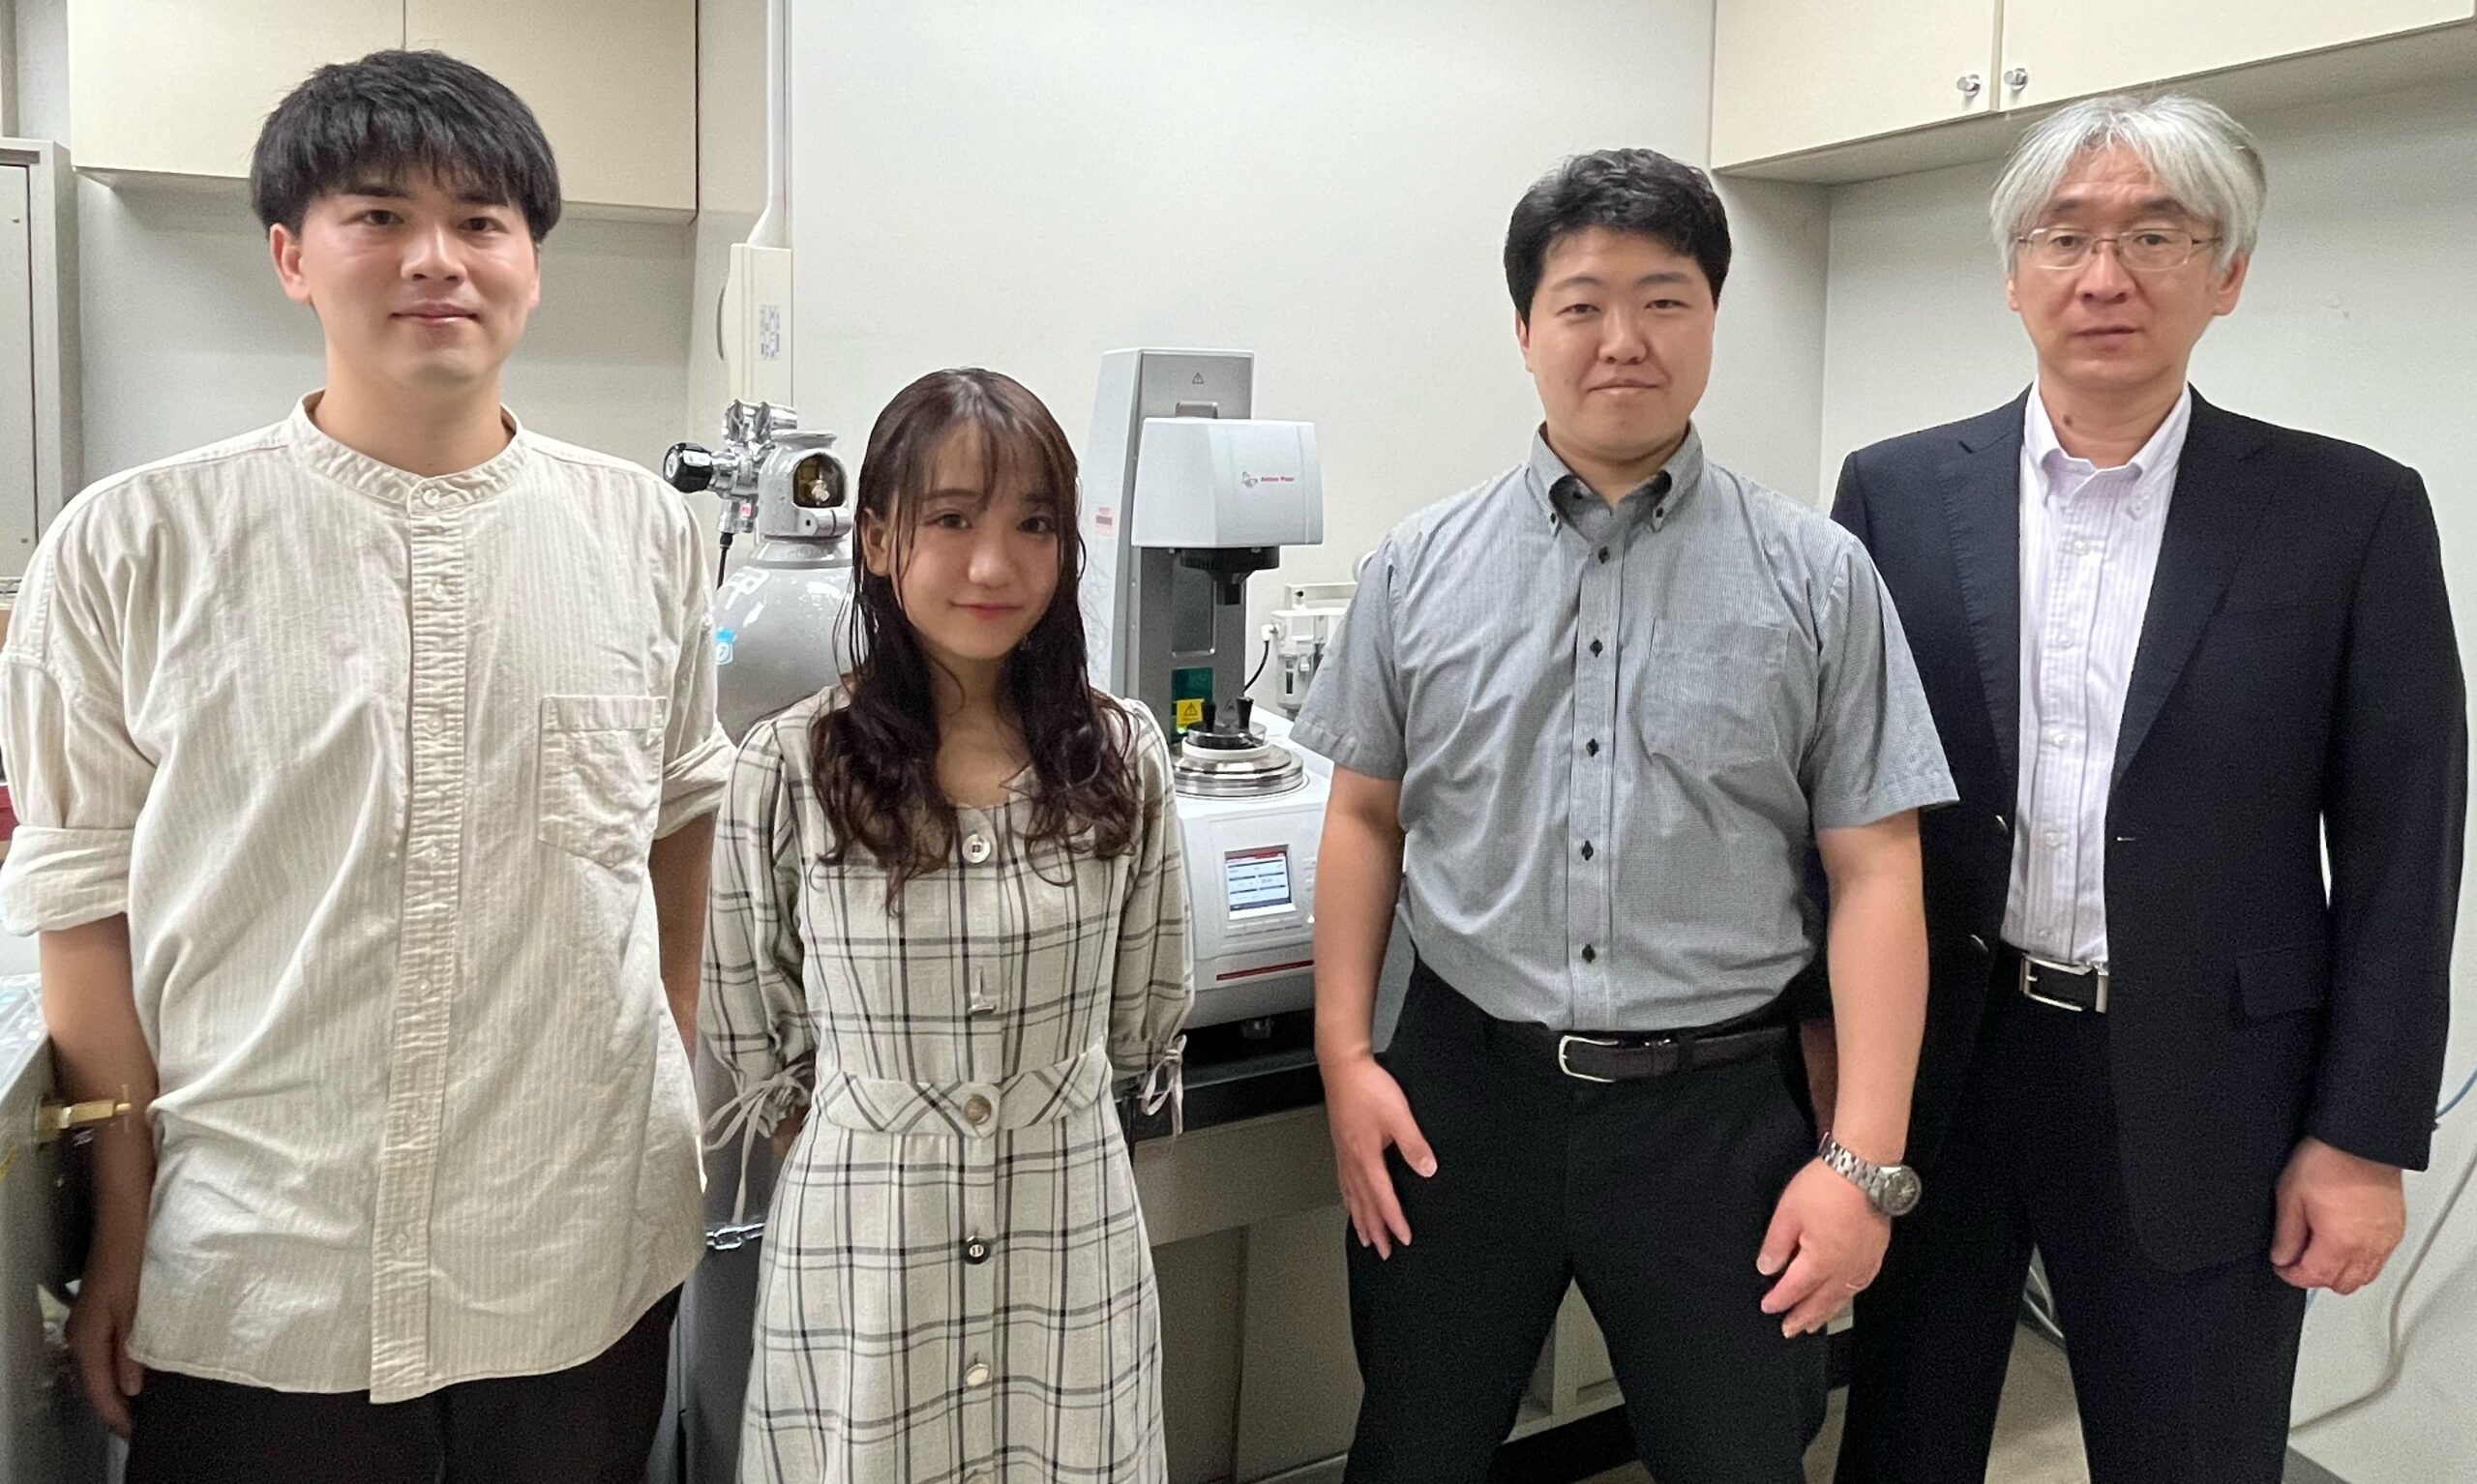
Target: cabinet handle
{"points": [[1970, 85], [2017, 78]]}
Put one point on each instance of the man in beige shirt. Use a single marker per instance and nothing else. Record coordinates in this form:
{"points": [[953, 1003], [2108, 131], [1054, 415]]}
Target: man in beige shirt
{"points": [[365, 764]]}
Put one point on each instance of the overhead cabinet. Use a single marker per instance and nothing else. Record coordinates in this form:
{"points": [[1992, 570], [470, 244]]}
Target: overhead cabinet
{"points": [[179, 88], [1804, 80]]}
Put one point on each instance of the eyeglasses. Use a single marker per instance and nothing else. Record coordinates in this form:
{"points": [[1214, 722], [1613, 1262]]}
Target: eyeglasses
{"points": [[2144, 250]]}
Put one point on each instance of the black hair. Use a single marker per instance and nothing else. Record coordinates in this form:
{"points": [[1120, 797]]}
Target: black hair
{"points": [[398, 114], [1638, 191], [877, 757]]}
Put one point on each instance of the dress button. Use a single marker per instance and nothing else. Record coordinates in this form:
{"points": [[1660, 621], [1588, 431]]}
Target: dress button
{"points": [[1594, 649], [975, 848], [1590, 749], [975, 1110], [976, 1376], [1591, 955], [976, 1251], [1977, 945], [430, 498], [1587, 849], [1603, 555]]}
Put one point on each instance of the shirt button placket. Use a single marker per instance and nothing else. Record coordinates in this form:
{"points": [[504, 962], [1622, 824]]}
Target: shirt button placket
{"points": [[985, 919], [424, 995], [1591, 796]]}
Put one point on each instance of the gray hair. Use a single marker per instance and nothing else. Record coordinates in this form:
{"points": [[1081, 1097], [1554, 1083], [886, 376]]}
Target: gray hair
{"points": [[2204, 158]]}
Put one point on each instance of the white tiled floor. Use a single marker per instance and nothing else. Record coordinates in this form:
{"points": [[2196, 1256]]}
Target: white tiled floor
{"points": [[2038, 1437]]}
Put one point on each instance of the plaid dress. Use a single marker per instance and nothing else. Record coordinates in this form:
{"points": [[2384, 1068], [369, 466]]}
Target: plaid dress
{"points": [[956, 1284]]}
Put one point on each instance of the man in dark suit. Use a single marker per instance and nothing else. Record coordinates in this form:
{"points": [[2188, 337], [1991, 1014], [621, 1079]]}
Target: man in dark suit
{"points": [[2173, 653]]}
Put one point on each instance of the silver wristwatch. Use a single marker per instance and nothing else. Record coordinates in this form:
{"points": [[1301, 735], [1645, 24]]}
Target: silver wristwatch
{"points": [[1892, 1189]]}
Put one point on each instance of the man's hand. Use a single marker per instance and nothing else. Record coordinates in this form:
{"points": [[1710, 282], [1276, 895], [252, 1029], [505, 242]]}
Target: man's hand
{"points": [[2339, 1218], [99, 1322], [100, 1050], [1367, 1113], [1831, 1240]]}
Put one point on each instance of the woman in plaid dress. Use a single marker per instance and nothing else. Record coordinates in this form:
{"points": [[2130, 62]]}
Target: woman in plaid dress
{"points": [[947, 914]]}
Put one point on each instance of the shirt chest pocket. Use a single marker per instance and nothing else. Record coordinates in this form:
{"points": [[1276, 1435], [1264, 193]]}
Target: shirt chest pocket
{"points": [[1710, 695], [599, 787]]}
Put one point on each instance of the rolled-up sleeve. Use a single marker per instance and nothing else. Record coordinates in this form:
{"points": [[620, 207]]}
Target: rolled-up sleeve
{"points": [[1875, 752], [1354, 711], [1152, 985], [697, 755], [755, 1014], [77, 779]]}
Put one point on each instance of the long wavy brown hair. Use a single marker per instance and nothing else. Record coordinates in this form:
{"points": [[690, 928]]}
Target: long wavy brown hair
{"points": [[877, 756]]}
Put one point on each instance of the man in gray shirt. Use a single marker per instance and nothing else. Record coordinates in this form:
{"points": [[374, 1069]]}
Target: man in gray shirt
{"points": [[1588, 720]]}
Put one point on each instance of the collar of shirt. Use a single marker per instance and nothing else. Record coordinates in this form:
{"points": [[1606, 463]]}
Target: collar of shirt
{"points": [[1656, 500], [389, 484], [2064, 475]]}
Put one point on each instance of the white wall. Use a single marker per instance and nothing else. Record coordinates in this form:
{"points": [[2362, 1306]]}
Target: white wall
{"points": [[2359, 321], [1025, 187], [187, 336]]}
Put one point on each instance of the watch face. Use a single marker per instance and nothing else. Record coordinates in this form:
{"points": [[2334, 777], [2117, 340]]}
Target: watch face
{"points": [[1900, 1190]]}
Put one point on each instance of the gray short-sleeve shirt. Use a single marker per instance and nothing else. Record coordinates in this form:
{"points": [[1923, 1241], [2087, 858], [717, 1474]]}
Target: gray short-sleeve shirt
{"points": [[1616, 731]]}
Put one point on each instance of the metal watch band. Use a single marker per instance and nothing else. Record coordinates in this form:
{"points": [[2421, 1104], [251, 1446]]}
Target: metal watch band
{"points": [[1891, 1189]]}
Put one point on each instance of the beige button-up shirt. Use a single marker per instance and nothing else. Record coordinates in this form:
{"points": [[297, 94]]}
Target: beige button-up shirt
{"points": [[373, 763]]}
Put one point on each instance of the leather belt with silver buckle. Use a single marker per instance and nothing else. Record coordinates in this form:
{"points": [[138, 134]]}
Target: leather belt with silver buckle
{"points": [[2077, 987], [1660, 1058], [1604, 1058]]}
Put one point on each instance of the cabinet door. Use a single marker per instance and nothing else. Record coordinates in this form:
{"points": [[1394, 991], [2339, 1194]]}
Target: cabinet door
{"points": [[181, 88], [1789, 75], [18, 469], [613, 83], [2071, 48]]}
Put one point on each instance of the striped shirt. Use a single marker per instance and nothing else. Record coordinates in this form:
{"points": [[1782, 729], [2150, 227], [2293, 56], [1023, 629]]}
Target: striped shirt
{"points": [[373, 763], [1617, 730], [2089, 549]]}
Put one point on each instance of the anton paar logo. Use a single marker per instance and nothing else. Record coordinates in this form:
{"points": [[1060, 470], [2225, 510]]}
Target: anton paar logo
{"points": [[1251, 481]]}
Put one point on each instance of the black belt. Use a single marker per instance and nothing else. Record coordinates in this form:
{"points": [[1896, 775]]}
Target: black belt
{"points": [[1631, 1055], [1628, 1055], [2077, 987]]}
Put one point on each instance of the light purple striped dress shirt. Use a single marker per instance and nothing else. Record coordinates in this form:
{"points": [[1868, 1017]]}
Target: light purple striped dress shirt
{"points": [[2089, 550]]}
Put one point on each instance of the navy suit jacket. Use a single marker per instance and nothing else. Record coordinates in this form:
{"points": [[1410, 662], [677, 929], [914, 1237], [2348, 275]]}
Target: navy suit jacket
{"points": [[2297, 683]]}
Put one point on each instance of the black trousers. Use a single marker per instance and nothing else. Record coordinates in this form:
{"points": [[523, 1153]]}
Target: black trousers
{"points": [[1653, 1196], [2182, 1378], [589, 1424]]}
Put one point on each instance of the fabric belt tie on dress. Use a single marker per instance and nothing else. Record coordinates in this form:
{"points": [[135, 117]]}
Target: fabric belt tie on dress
{"points": [[970, 1110]]}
